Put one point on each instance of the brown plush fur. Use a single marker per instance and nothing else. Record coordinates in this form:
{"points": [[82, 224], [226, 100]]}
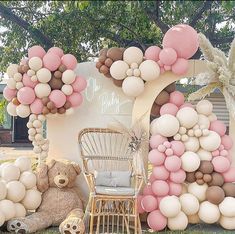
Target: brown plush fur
{"points": [[61, 204]]}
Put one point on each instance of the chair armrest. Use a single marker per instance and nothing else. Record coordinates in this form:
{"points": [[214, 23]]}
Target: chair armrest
{"points": [[90, 178], [139, 179]]}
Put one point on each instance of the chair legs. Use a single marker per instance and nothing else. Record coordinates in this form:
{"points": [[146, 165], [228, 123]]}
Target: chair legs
{"points": [[92, 213]]}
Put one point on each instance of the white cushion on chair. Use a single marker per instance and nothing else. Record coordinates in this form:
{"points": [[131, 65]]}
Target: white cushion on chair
{"points": [[114, 190]]}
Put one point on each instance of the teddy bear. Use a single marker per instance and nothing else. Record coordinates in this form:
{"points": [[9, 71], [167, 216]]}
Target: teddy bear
{"points": [[61, 203]]}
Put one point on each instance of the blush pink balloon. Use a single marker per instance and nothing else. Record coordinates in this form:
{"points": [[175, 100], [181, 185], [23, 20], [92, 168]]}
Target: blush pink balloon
{"points": [[215, 153], [175, 189], [139, 207], [167, 56], [223, 153], [219, 127], [229, 175], [160, 173], [151, 178], [160, 188], [26, 95], [156, 220], [56, 50], [28, 82], [180, 67], [169, 108], [9, 94], [178, 176], [51, 61], [156, 140], [230, 158], [148, 190], [186, 104], [176, 98], [58, 98], [177, 147], [149, 203], [167, 68], [152, 53], [169, 152], [24, 61], [156, 158], [183, 39], [172, 163], [79, 84], [36, 51], [37, 106], [227, 142], [75, 99], [221, 164], [69, 61]]}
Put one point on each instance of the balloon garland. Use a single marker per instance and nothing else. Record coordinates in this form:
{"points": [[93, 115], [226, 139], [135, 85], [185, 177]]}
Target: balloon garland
{"points": [[41, 85]]}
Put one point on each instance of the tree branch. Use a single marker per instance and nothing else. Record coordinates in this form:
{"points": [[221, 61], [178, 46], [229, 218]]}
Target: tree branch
{"points": [[222, 40], [6, 13]]}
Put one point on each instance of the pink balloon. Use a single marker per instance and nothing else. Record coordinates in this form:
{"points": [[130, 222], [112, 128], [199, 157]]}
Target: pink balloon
{"points": [[177, 147], [28, 82], [79, 84], [230, 158], [215, 153], [169, 152], [75, 99], [51, 61], [151, 178], [227, 142], [37, 106], [9, 94], [26, 95], [183, 39], [58, 98], [186, 104], [69, 61], [139, 207], [219, 127], [152, 53], [229, 175], [162, 70], [167, 68], [156, 158], [156, 140], [149, 203], [176, 98], [160, 188], [172, 163], [56, 50], [36, 51], [156, 220], [24, 61], [160, 173], [175, 189], [169, 108], [180, 67], [223, 153], [168, 56], [148, 190], [221, 164], [178, 176]]}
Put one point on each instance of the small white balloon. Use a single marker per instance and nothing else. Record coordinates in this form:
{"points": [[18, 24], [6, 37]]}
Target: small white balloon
{"points": [[29, 125], [31, 72], [204, 155], [210, 142], [20, 210], [187, 117], [67, 89], [37, 123], [42, 90], [38, 137], [11, 83], [44, 75], [190, 161], [19, 85], [133, 86], [35, 63], [212, 117], [32, 117], [133, 55], [203, 120], [42, 118], [32, 131], [68, 77], [23, 110], [192, 144], [11, 109], [18, 77], [37, 149], [28, 179], [204, 107], [208, 212], [199, 191], [34, 78], [149, 70], [12, 70], [119, 70]]}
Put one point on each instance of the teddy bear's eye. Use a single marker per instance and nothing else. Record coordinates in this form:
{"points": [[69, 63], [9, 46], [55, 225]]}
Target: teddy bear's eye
{"points": [[58, 173]]}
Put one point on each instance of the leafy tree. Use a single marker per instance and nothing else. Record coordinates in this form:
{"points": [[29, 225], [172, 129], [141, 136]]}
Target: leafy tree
{"points": [[83, 27]]}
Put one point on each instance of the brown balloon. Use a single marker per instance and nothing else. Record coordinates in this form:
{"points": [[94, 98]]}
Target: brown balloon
{"points": [[54, 110], [98, 65], [62, 68], [50, 105], [61, 110], [162, 98], [45, 100], [115, 53], [45, 110], [217, 179], [206, 167], [15, 101], [25, 68], [200, 181], [20, 69], [170, 88], [102, 59], [118, 83], [215, 194], [104, 69], [67, 105], [155, 111], [55, 83], [190, 177], [229, 189], [103, 51], [207, 178], [199, 175], [108, 62], [58, 74]]}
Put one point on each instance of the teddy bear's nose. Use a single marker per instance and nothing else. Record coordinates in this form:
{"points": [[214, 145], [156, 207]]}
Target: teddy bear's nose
{"points": [[61, 181]]}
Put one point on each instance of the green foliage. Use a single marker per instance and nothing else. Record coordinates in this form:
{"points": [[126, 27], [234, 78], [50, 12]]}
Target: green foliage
{"points": [[3, 104]]}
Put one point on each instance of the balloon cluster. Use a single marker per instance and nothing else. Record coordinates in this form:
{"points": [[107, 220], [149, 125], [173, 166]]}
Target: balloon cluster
{"points": [[42, 84], [192, 177], [18, 192], [130, 68]]}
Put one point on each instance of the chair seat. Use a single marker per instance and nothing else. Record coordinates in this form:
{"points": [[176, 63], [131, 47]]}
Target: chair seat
{"points": [[119, 191]]}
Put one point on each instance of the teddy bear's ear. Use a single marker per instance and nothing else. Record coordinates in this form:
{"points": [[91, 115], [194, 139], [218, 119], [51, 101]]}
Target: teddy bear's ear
{"points": [[76, 167], [42, 178], [51, 163]]}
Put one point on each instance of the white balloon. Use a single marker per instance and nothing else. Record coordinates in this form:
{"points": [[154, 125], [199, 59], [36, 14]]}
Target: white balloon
{"points": [[23, 110], [44, 75], [28, 179], [133, 86], [32, 117], [20, 210], [118, 70], [68, 77], [204, 155], [227, 207], [212, 117], [208, 212], [199, 191], [8, 209], [2, 218], [179, 222], [42, 90], [31, 72], [12, 70], [210, 142], [149, 70], [23, 163], [10, 172], [187, 117], [32, 131], [19, 85], [67, 89], [133, 55], [190, 161], [203, 120], [170, 206], [192, 144], [32, 199], [15, 191], [18, 77], [38, 137], [204, 107], [35, 63], [3, 191], [37, 123], [11, 83], [11, 109], [189, 204], [227, 222], [42, 118]]}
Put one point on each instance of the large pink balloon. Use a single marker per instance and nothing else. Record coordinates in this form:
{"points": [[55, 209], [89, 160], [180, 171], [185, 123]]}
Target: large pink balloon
{"points": [[156, 158], [183, 39], [69, 61], [169, 108], [58, 98], [26, 95], [227, 142], [177, 147], [79, 84], [152, 53], [36, 51], [178, 176], [28, 82], [37, 106], [156, 220], [75, 99], [56, 50], [177, 98], [149, 203], [168, 56], [229, 176], [148, 190], [172, 163], [180, 67], [175, 189], [9, 94], [160, 173], [51, 61], [139, 207], [156, 140], [160, 188], [221, 164], [219, 127]]}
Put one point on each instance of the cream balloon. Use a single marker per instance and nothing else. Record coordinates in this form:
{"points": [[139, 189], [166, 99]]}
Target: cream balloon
{"points": [[20, 210], [11, 83], [204, 107], [204, 155], [227, 207], [8, 209], [44, 75], [32, 117], [10, 172], [133, 86], [2, 218], [67, 89], [32, 199], [15, 191], [203, 120], [170, 206], [187, 117], [23, 163], [17, 77], [19, 85], [199, 191], [42, 90], [11, 109], [3, 191], [179, 222], [12, 70], [189, 204], [37, 123], [192, 144], [190, 161], [31, 72], [118, 70], [41, 118], [35, 63], [208, 212], [133, 55], [68, 77], [210, 142], [212, 117], [227, 222], [28, 179], [23, 110], [149, 70]]}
